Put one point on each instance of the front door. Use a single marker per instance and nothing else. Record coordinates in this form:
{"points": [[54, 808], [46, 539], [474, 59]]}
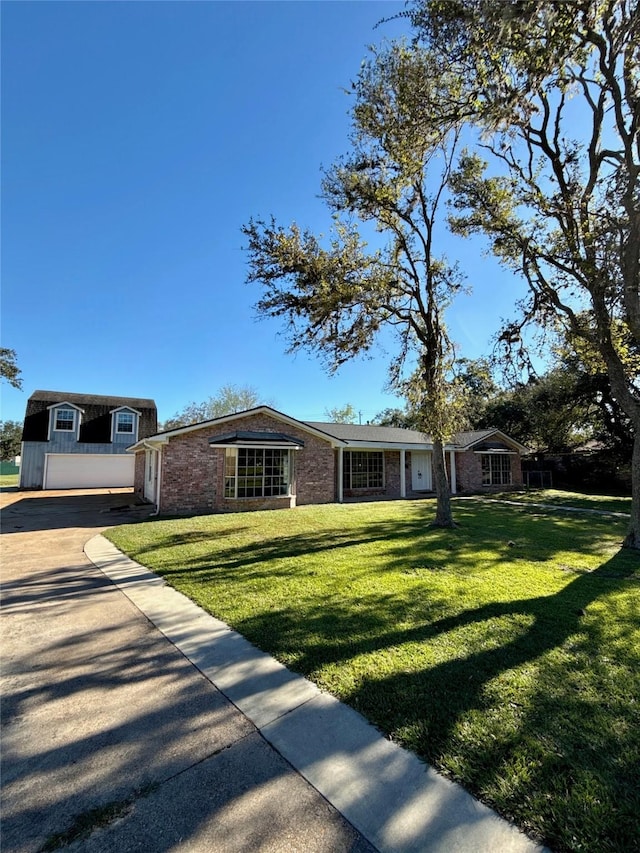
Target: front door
{"points": [[150, 475], [420, 471]]}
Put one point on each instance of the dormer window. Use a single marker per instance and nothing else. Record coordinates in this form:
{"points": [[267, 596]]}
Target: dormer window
{"points": [[125, 422], [124, 425], [65, 420]]}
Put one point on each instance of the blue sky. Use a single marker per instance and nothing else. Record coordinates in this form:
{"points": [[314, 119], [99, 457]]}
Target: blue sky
{"points": [[137, 138]]}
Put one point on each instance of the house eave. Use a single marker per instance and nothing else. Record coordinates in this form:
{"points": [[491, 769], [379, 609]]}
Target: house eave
{"points": [[519, 448], [151, 443]]}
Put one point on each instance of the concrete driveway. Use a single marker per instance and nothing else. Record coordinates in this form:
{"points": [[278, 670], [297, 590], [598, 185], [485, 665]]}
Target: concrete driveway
{"points": [[108, 728]]}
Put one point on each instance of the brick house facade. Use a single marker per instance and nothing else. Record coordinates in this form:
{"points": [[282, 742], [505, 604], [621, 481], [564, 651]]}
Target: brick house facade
{"points": [[264, 459]]}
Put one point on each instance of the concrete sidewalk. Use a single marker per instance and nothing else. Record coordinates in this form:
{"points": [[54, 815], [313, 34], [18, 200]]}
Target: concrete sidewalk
{"points": [[395, 801], [110, 730]]}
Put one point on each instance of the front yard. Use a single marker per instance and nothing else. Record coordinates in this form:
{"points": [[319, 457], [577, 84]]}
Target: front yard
{"points": [[506, 652]]}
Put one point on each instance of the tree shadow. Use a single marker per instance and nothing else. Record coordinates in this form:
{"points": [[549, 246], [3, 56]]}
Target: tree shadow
{"points": [[568, 739], [114, 714], [56, 512]]}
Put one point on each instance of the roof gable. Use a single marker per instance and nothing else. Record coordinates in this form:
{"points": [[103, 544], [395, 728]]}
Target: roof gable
{"points": [[166, 435], [475, 439]]}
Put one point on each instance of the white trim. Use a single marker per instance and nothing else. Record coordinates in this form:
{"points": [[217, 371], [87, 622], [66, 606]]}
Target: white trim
{"points": [[494, 452], [128, 409], [492, 455], [158, 481], [235, 497], [260, 445], [453, 485], [65, 404], [77, 413], [21, 466], [520, 448], [145, 443], [125, 410]]}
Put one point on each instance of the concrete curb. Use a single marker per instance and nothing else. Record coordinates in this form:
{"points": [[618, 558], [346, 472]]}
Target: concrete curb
{"points": [[398, 803]]}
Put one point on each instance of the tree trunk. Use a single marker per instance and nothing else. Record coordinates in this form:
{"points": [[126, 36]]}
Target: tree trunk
{"points": [[633, 536], [444, 517]]}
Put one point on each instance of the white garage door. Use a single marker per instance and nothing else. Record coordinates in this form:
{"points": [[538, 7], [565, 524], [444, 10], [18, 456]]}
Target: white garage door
{"points": [[88, 470]]}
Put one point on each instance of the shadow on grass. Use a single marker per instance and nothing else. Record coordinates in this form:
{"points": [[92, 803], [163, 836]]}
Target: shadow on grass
{"points": [[404, 542], [560, 757], [534, 708]]}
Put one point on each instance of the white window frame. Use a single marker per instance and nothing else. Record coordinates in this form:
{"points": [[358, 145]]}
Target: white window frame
{"points": [[74, 414], [499, 458], [125, 410], [232, 479], [126, 414], [348, 470]]}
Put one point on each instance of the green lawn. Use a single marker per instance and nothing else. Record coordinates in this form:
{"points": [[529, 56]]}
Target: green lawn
{"points": [[8, 480], [505, 652], [556, 497]]}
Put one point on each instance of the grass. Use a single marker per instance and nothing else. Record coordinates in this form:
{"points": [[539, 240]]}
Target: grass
{"points": [[8, 480], [556, 497], [85, 824], [505, 652]]}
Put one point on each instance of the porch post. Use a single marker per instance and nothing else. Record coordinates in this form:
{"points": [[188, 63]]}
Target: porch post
{"points": [[403, 478], [340, 476], [452, 465]]}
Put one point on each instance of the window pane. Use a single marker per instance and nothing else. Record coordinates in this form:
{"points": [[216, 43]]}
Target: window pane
{"points": [[124, 422], [363, 469], [256, 472], [65, 419], [496, 469]]}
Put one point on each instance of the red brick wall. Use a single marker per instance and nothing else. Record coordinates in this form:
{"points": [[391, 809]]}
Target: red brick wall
{"points": [[469, 473], [138, 474], [193, 472]]}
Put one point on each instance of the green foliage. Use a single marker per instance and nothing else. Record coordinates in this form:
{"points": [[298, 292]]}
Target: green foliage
{"points": [[342, 415], [403, 418], [505, 652], [337, 295], [228, 400], [10, 439], [552, 91], [9, 369]]}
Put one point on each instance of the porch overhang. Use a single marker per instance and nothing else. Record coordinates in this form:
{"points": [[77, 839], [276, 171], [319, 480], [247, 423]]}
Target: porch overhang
{"points": [[249, 439]]}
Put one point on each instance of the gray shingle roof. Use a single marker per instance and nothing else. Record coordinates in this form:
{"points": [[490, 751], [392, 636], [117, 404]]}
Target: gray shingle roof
{"points": [[92, 399], [397, 435], [369, 432]]}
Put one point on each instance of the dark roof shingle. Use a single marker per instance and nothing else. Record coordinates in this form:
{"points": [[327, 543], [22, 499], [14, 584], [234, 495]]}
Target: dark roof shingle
{"points": [[95, 426]]}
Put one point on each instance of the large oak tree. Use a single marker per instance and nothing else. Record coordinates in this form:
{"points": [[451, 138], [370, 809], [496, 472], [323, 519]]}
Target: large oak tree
{"points": [[337, 294], [552, 88]]}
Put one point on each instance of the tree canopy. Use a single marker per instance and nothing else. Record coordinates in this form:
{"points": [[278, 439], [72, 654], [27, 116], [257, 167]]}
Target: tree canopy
{"points": [[336, 294], [552, 90], [9, 369], [10, 439], [226, 401], [346, 414]]}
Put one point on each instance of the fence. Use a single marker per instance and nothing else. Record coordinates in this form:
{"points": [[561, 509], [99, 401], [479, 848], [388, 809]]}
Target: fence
{"points": [[538, 479]]}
